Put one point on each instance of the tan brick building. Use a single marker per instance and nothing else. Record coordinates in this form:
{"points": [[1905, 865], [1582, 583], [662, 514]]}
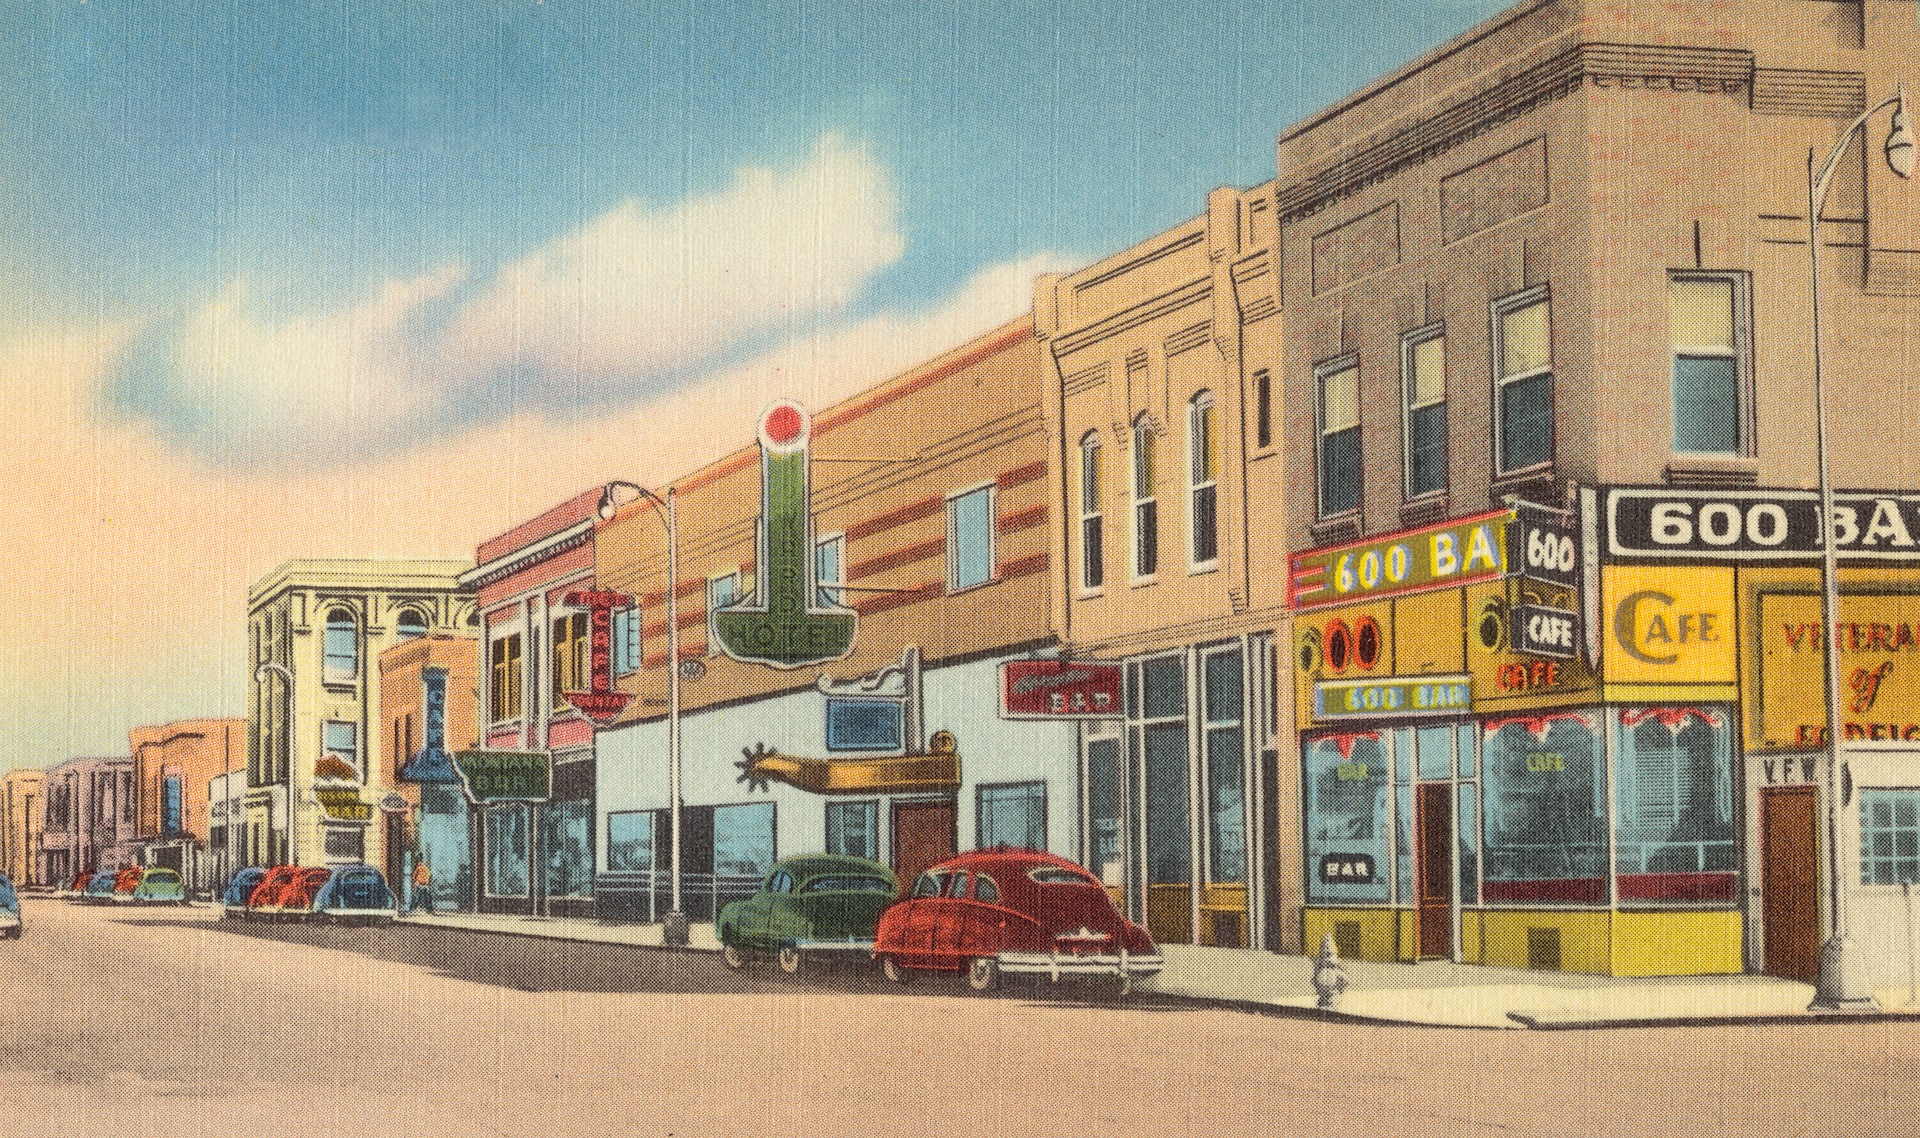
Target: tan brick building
{"points": [[172, 765], [1563, 259]]}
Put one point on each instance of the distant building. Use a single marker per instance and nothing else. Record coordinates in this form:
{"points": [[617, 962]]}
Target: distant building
{"points": [[316, 628], [435, 824], [226, 824], [172, 764], [89, 817], [22, 812]]}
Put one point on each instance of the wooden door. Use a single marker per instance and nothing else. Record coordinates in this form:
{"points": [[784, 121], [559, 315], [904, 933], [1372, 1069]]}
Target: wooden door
{"points": [[1433, 868], [1789, 882], [923, 835]]}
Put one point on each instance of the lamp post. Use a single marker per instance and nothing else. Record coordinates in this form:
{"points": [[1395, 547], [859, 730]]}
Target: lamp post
{"points": [[260, 675], [1842, 985], [674, 930]]}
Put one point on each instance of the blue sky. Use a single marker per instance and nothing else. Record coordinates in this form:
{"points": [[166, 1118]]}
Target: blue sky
{"points": [[291, 247]]}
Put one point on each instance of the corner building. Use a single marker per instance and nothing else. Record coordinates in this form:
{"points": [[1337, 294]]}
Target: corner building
{"points": [[1547, 288]]}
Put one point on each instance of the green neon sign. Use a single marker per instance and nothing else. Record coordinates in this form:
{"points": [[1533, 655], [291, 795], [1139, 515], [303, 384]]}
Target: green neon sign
{"points": [[784, 624]]}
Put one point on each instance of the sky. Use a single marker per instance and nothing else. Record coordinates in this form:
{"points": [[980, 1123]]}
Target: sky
{"points": [[366, 278]]}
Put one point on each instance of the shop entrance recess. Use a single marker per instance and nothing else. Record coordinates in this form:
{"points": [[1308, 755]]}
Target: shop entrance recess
{"points": [[923, 835], [1434, 872], [1789, 883]]}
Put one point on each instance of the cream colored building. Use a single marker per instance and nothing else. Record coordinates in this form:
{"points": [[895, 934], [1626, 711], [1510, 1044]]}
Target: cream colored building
{"points": [[316, 629], [22, 818]]}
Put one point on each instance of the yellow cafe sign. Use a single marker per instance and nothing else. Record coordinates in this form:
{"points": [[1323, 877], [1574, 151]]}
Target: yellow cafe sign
{"points": [[1668, 625]]}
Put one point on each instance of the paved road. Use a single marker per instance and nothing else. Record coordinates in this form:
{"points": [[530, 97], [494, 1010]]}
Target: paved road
{"points": [[138, 1024]]}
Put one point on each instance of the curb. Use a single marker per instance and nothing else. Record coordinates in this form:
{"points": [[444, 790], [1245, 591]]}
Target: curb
{"points": [[537, 934], [1764, 1019]]}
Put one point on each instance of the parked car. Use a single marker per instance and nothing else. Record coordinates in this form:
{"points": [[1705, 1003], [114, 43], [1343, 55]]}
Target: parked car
{"points": [[125, 882], [76, 890], [296, 896], [11, 925], [808, 904], [264, 902], [355, 893], [1012, 911], [233, 903], [100, 887], [160, 886]]}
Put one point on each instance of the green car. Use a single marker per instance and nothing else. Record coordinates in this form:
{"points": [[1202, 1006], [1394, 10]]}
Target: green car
{"points": [[160, 887], [809, 904]]}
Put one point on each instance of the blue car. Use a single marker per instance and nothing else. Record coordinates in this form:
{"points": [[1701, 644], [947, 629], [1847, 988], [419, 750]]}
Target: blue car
{"points": [[100, 887], [354, 894], [10, 924], [233, 903]]}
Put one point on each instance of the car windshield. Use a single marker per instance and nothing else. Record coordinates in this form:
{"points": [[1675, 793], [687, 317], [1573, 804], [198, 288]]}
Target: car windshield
{"points": [[848, 883]]}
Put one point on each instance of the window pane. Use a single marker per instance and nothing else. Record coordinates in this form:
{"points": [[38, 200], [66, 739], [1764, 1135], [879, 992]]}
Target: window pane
{"points": [[1674, 791], [1702, 312], [1143, 480], [1013, 815], [1889, 836], [1340, 400], [971, 534], [1427, 449], [1526, 422], [630, 841], [1166, 688], [1090, 476], [743, 839], [1146, 538], [567, 839], [1103, 809], [1524, 339], [1206, 527], [1428, 362], [1346, 814], [1223, 673], [852, 829], [1706, 404], [507, 851], [1226, 807], [1340, 472], [1435, 745], [1093, 572], [1469, 835], [826, 569], [341, 652], [1169, 857], [1546, 833], [1201, 443]]}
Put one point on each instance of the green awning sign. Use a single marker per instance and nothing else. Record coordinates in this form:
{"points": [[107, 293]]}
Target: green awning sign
{"points": [[784, 623], [505, 776]]}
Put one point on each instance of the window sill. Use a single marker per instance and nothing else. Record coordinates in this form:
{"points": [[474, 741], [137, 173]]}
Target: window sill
{"points": [[1336, 529], [1090, 594], [1426, 508], [1710, 471], [953, 591], [1143, 582], [1204, 568]]}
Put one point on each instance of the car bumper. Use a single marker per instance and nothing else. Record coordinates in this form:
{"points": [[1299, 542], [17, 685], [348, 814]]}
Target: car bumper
{"points": [[356, 914], [1056, 966], [9, 919]]}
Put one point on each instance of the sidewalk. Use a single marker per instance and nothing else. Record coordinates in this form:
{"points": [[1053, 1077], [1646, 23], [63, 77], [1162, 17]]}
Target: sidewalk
{"points": [[1437, 993]]}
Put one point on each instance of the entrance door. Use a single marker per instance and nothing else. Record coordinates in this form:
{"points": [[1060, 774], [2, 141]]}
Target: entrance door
{"points": [[923, 835], [1789, 883], [1433, 871]]}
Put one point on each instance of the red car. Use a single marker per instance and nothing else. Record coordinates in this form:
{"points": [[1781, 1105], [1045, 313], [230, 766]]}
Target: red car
{"points": [[1012, 911], [264, 901], [296, 896], [126, 882]]}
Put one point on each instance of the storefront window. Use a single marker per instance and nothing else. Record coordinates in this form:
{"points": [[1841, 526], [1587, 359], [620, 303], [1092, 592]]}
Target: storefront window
{"points": [[1103, 810], [1169, 860], [1469, 843], [1012, 814], [1346, 809], [1889, 835], [853, 829], [1546, 798], [630, 841], [743, 839], [1673, 771], [567, 842], [507, 851], [445, 843], [1226, 786]]}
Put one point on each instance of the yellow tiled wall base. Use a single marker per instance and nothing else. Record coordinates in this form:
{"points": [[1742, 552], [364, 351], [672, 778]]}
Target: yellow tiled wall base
{"points": [[1379, 939], [1583, 938], [1677, 944]]}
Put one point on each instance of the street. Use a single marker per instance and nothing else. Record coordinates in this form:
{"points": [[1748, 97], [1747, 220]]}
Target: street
{"points": [[172, 1022]]}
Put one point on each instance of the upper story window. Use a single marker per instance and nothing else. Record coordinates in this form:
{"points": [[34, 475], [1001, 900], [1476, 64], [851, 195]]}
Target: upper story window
{"points": [[342, 738], [571, 670], [1709, 363], [1423, 369], [1262, 409], [626, 641], [829, 568], [1203, 478], [1523, 380], [970, 539], [410, 625], [503, 692], [1146, 505], [1337, 387], [722, 590], [340, 661], [1093, 546]]}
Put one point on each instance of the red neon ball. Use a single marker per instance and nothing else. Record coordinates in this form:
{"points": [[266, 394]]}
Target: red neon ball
{"points": [[783, 423]]}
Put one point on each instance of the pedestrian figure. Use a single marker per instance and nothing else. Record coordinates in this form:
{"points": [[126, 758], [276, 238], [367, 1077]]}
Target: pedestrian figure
{"points": [[422, 891]]}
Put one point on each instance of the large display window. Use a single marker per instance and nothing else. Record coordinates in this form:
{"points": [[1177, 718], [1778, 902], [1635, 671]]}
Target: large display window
{"points": [[507, 861], [1546, 810], [1347, 778], [1673, 789]]}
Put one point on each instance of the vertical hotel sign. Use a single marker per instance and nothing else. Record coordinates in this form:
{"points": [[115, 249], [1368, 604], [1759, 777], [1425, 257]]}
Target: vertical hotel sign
{"points": [[784, 624], [432, 763], [1459, 552]]}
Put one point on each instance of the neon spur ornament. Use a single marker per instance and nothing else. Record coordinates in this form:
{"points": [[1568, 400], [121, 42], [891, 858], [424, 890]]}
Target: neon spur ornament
{"points": [[784, 623]]}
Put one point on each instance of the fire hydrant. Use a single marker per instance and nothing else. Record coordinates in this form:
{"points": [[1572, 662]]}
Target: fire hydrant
{"points": [[1329, 979]]}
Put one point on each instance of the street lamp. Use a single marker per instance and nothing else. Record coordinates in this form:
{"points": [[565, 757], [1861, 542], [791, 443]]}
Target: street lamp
{"points": [[260, 675], [674, 930], [1842, 985]]}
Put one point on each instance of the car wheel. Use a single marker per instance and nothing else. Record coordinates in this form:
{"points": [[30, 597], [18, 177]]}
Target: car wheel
{"points": [[735, 959], [983, 972], [790, 959], [894, 970]]}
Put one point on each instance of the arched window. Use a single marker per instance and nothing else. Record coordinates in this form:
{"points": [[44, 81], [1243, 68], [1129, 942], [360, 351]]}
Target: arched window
{"points": [[1203, 474], [1146, 506], [410, 625], [341, 650], [1093, 571]]}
